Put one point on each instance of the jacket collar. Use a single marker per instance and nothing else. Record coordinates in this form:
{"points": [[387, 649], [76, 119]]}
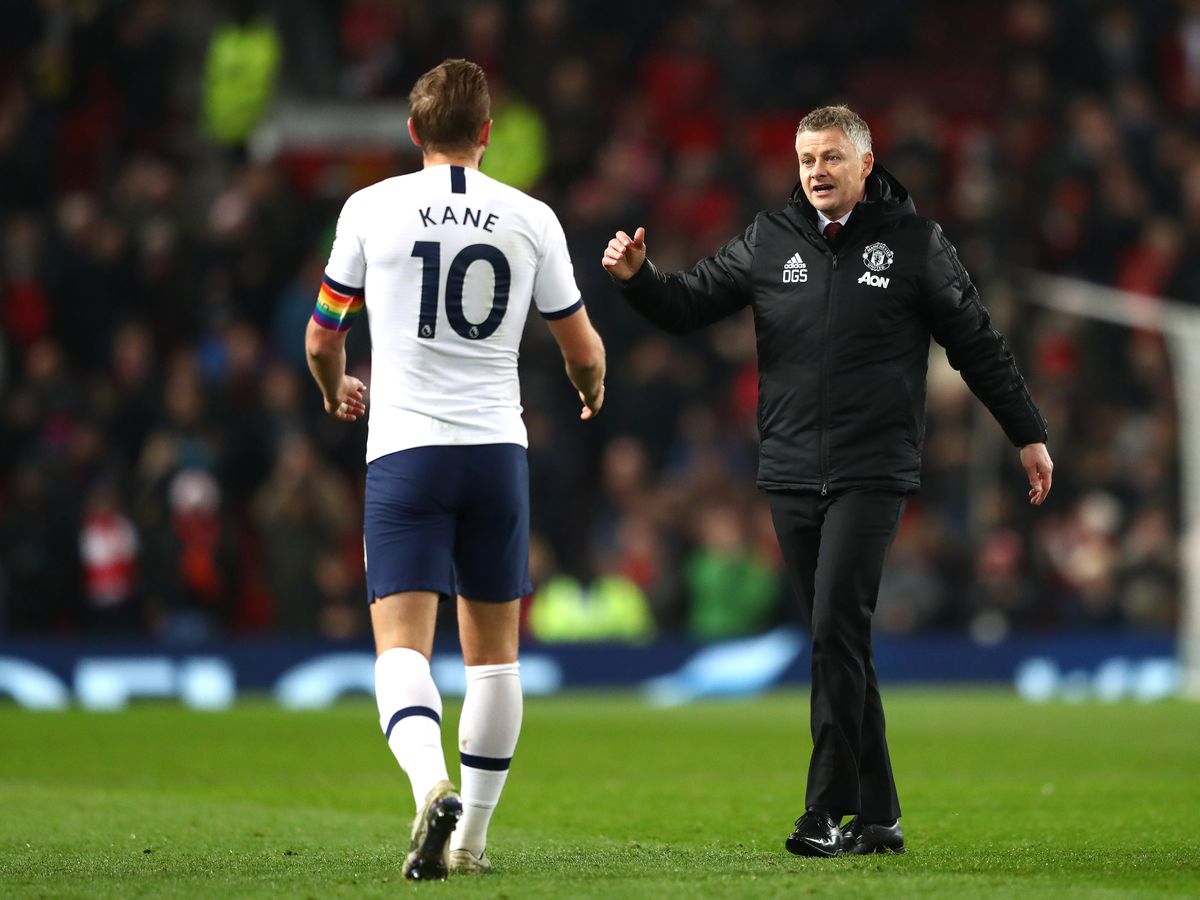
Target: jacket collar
{"points": [[885, 198]]}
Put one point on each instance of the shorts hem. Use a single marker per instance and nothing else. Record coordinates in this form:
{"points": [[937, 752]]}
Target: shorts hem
{"points": [[495, 597], [401, 587]]}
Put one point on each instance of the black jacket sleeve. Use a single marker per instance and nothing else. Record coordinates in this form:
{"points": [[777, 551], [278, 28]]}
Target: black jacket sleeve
{"points": [[712, 289], [960, 323]]}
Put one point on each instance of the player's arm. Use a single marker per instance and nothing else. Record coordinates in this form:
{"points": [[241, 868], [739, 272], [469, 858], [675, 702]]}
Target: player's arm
{"points": [[326, 352], [338, 306], [583, 354], [325, 348], [581, 347]]}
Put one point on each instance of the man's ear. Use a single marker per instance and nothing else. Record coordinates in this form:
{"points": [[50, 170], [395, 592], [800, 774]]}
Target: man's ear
{"points": [[868, 163], [412, 133], [485, 133]]}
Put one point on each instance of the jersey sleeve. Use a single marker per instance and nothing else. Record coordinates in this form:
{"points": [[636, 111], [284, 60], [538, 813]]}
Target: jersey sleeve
{"points": [[555, 292], [341, 298]]}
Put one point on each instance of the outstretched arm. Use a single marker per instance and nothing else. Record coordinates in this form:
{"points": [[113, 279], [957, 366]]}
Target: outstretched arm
{"points": [[583, 354], [960, 323], [680, 302]]}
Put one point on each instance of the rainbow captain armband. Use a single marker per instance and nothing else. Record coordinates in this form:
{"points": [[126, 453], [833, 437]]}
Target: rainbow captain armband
{"points": [[337, 305]]}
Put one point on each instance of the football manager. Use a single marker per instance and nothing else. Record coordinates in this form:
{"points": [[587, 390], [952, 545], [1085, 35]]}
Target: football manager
{"points": [[847, 285]]}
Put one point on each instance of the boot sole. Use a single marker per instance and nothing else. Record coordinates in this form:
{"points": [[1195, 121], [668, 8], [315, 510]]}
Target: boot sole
{"points": [[428, 861]]}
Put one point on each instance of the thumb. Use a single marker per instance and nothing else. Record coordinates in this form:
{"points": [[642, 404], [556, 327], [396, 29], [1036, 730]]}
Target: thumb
{"points": [[639, 238]]}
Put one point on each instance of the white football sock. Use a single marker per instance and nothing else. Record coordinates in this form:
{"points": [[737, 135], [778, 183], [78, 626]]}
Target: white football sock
{"points": [[487, 737], [410, 714]]}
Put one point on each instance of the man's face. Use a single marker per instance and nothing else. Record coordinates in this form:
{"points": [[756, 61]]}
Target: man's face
{"points": [[832, 171]]}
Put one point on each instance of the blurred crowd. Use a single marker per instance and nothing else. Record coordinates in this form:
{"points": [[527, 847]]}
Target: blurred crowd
{"points": [[165, 466]]}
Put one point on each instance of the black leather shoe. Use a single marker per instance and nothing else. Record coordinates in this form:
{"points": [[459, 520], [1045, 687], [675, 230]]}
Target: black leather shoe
{"points": [[861, 839], [816, 834]]}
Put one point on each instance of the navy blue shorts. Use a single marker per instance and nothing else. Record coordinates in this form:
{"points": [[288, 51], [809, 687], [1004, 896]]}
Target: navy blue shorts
{"points": [[453, 520]]}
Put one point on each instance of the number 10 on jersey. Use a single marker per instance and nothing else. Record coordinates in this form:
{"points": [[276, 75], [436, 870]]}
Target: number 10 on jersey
{"points": [[430, 253]]}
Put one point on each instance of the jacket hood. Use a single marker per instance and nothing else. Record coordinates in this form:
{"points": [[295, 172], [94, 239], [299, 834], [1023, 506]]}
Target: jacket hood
{"points": [[885, 197]]}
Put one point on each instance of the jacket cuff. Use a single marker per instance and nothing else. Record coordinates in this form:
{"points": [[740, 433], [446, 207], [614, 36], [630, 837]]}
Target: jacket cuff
{"points": [[1029, 433], [644, 276]]}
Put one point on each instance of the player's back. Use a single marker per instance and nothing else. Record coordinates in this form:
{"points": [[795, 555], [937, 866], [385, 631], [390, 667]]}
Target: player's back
{"points": [[449, 260]]}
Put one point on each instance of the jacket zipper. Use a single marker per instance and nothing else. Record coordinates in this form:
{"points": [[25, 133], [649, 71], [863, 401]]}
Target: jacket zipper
{"points": [[823, 442]]}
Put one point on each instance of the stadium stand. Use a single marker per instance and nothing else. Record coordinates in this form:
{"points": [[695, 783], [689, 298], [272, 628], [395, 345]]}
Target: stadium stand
{"points": [[161, 448]]}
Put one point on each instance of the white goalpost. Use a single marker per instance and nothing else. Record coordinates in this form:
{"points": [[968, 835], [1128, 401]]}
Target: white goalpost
{"points": [[1180, 325]]}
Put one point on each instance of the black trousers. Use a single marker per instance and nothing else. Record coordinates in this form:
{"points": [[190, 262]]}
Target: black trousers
{"points": [[834, 548]]}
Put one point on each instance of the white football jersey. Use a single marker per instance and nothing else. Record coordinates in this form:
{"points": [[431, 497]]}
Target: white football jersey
{"points": [[448, 260]]}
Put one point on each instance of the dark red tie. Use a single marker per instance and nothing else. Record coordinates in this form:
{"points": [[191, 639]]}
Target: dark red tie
{"points": [[832, 230]]}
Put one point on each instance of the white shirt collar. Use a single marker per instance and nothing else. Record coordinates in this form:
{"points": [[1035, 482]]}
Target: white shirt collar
{"points": [[823, 220]]}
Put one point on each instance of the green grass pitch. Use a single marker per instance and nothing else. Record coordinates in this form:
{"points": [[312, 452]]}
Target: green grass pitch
{"points": [[607, 798]]}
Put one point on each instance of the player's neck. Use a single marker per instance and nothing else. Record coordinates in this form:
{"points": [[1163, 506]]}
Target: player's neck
{"points": [[470, 161]]}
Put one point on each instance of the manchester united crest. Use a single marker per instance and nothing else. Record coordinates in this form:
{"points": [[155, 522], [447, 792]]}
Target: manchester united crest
{"points": [[877, 257]]}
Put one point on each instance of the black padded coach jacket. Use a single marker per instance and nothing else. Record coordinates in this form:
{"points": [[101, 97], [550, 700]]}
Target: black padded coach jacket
{"points": [[843, 337]]}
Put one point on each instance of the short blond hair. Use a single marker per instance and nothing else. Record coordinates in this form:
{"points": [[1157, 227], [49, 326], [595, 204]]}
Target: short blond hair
{"points": [[843, 117], [449, 104]]}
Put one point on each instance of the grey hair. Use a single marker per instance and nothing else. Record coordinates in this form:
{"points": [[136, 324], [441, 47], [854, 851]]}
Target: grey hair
{"points": [[843, 117]]}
